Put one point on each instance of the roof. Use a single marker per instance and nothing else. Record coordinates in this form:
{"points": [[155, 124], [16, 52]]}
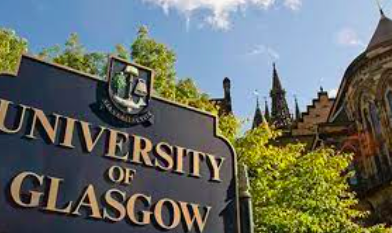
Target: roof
{"points": [[383, 32], [276, 84]]}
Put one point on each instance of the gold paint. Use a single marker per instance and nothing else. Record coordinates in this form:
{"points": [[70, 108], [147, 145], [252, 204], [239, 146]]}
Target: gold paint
{"points": [[195, 216], [164, 151], [15, 189], [142, 152], [179, 167], [146, 215], [129, 175], [4, 106], [112, 176], [117, 139], [53, 195], [195, 167], [89, 142], [176, 217], [89, 200], [115, 205], [216, 165], [51, 131], [69, 132]]}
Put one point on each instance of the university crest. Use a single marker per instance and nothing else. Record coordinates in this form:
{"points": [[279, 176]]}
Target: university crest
{"points": [[128, 91]]}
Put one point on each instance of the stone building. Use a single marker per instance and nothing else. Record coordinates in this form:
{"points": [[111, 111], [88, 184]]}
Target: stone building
{"points": [[301, 127], [358, 121]]}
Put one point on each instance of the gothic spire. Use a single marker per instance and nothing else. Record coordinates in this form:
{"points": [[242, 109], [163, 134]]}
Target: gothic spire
{"points": [[297, 111], [383, 31], [280, 115], [276, 84], [380, 9], [266, 111], [258, 118]]}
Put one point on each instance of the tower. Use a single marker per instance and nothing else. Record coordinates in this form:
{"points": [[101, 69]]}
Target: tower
{"points": [[224, 104], [258, 119], [280, 115], [227, 94], [266, 111], [297, 111]]}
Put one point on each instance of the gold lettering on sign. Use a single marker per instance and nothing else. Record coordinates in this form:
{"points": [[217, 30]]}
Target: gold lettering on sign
{"points": [[180, 160], [117, 140], [141, 149], [89, 142], [69, 132], [163, 152], [90, 202], [51, 131], [176, 216], [115, 205], [4, 107], [146, 215], [196, 156], [16, 186], [117, 145], [53, 196], [216, 165], [190, 219]]}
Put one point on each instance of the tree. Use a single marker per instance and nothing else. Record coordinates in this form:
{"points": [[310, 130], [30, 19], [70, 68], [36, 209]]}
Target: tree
{"points": [[11, 48], [147, 52], [298, 191], [74, 55]]}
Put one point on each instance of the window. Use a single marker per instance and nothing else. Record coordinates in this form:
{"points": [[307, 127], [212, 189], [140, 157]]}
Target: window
{"points": [[370, 142], [377, 127], [376, 121], [389, 99]]}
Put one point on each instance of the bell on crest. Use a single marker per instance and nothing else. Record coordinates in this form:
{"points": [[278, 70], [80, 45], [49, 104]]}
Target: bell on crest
{"points": [[141, 88]]}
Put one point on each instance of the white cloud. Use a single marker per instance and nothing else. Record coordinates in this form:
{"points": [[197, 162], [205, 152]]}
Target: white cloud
{"points": [[264, 50], [218, 11], [294, 5], [333, 93], [348, 37]]}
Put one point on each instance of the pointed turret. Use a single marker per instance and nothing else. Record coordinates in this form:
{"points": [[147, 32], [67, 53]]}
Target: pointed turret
{"points": [[280, 115], [276, 84], [383, 32], [258, 118], [297, 111], [266, 111]]}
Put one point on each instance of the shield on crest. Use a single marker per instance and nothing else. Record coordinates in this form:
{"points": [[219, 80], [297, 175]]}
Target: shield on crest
{"points": [[129, 87]]}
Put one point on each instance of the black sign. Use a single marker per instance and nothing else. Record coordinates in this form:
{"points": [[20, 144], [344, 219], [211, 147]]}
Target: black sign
{"points": [[81, 154]]}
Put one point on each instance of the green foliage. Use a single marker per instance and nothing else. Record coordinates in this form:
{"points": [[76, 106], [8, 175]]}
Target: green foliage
{"points": [[146, 51], [296, 191], [11, 48], [186, 92], [122, 52], [74, 55], [229, 126]]}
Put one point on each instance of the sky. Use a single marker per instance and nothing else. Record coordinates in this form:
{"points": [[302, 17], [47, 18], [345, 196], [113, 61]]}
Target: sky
{"points": [[312, 41]]}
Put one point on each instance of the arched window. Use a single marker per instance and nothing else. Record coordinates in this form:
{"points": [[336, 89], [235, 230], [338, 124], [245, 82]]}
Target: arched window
{"points": [[370, 141], [376, 121], [377, 127], [389, 100]]}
